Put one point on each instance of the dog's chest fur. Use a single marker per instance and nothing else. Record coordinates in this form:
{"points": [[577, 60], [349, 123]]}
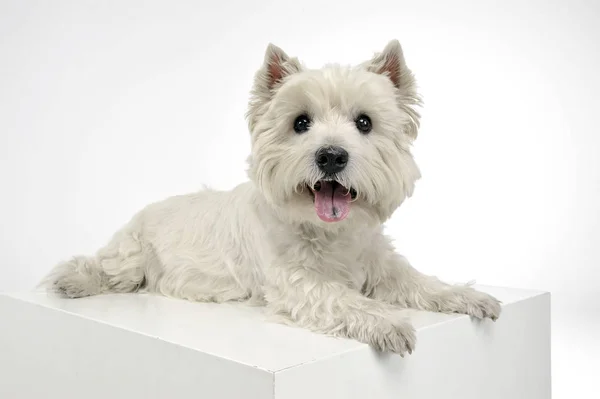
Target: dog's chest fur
{"points": [[335, 255]]}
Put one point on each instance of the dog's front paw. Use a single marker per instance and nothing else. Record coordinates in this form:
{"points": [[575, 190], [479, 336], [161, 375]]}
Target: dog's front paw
{"points": [[397, 337], [483, 305], [476, 303]]}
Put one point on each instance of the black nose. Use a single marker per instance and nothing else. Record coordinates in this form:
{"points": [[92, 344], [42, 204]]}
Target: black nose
{"points": [[331, 160]]}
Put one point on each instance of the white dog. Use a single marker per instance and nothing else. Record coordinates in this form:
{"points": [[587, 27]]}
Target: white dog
{"points": [[330, 163]]}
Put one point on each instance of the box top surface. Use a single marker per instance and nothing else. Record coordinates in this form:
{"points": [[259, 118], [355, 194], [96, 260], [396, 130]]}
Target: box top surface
{"points": [[237, 332]]}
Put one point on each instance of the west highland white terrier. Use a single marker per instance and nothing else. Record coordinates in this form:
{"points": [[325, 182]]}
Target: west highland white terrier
{"points": [[330, 162]]}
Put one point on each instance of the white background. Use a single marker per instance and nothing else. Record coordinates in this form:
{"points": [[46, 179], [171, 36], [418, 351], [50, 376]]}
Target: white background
{"points": [[108, 106]]}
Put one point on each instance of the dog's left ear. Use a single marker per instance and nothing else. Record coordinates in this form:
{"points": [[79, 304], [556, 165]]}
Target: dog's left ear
{"points": [[390, 62]]}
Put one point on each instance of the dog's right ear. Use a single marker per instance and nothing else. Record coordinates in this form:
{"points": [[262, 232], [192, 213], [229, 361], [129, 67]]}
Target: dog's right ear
{"points": [[277, 66]]}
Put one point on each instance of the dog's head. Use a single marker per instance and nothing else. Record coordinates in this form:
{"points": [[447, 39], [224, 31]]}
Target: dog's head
{"points": [[333, 144]]}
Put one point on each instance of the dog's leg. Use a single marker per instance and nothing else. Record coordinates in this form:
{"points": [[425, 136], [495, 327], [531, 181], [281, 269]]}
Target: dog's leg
{"points": [[308, 299], [392, 279], [120, 266]]}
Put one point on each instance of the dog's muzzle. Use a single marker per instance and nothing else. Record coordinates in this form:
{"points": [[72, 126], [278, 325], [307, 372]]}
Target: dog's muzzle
{"points": [[331, 160]]}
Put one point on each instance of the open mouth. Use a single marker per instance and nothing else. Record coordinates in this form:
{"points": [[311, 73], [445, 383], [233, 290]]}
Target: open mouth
{"points": [[332, 200]]}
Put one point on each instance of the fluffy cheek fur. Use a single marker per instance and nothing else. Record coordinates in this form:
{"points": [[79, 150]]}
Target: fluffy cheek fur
{"points": [[396, 177]]}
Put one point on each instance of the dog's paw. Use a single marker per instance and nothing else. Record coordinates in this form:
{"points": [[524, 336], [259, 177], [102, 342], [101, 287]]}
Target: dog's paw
{"points": [[482, 305], [74, 279], [397, 337], [476, 304]]}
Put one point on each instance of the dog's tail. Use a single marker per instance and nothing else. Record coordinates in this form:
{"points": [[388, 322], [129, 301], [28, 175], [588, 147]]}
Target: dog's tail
{"points": [[118, 267]]}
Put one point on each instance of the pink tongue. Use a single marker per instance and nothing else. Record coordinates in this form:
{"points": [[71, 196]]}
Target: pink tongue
{"points": [[332, 202]]}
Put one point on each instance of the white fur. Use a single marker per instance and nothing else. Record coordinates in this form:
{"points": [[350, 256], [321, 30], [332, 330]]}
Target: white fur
{"points": [[263, 241]]}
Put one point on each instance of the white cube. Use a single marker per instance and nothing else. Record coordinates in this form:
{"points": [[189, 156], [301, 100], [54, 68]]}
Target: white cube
{"points": [[146, 346]]}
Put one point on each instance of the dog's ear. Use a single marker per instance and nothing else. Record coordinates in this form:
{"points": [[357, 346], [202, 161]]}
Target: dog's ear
{"points": [[390, 62], [277, 65]]}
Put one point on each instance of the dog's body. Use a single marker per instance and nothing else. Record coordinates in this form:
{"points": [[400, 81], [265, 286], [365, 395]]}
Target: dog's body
{"points": [[330, 163]]}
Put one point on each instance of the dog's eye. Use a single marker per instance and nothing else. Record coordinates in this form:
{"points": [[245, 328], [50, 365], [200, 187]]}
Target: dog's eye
{"points": [[363, 124], [301, 124]]}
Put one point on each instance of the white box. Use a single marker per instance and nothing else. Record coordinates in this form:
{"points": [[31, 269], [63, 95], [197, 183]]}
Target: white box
{"points": [[145, 346]]}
